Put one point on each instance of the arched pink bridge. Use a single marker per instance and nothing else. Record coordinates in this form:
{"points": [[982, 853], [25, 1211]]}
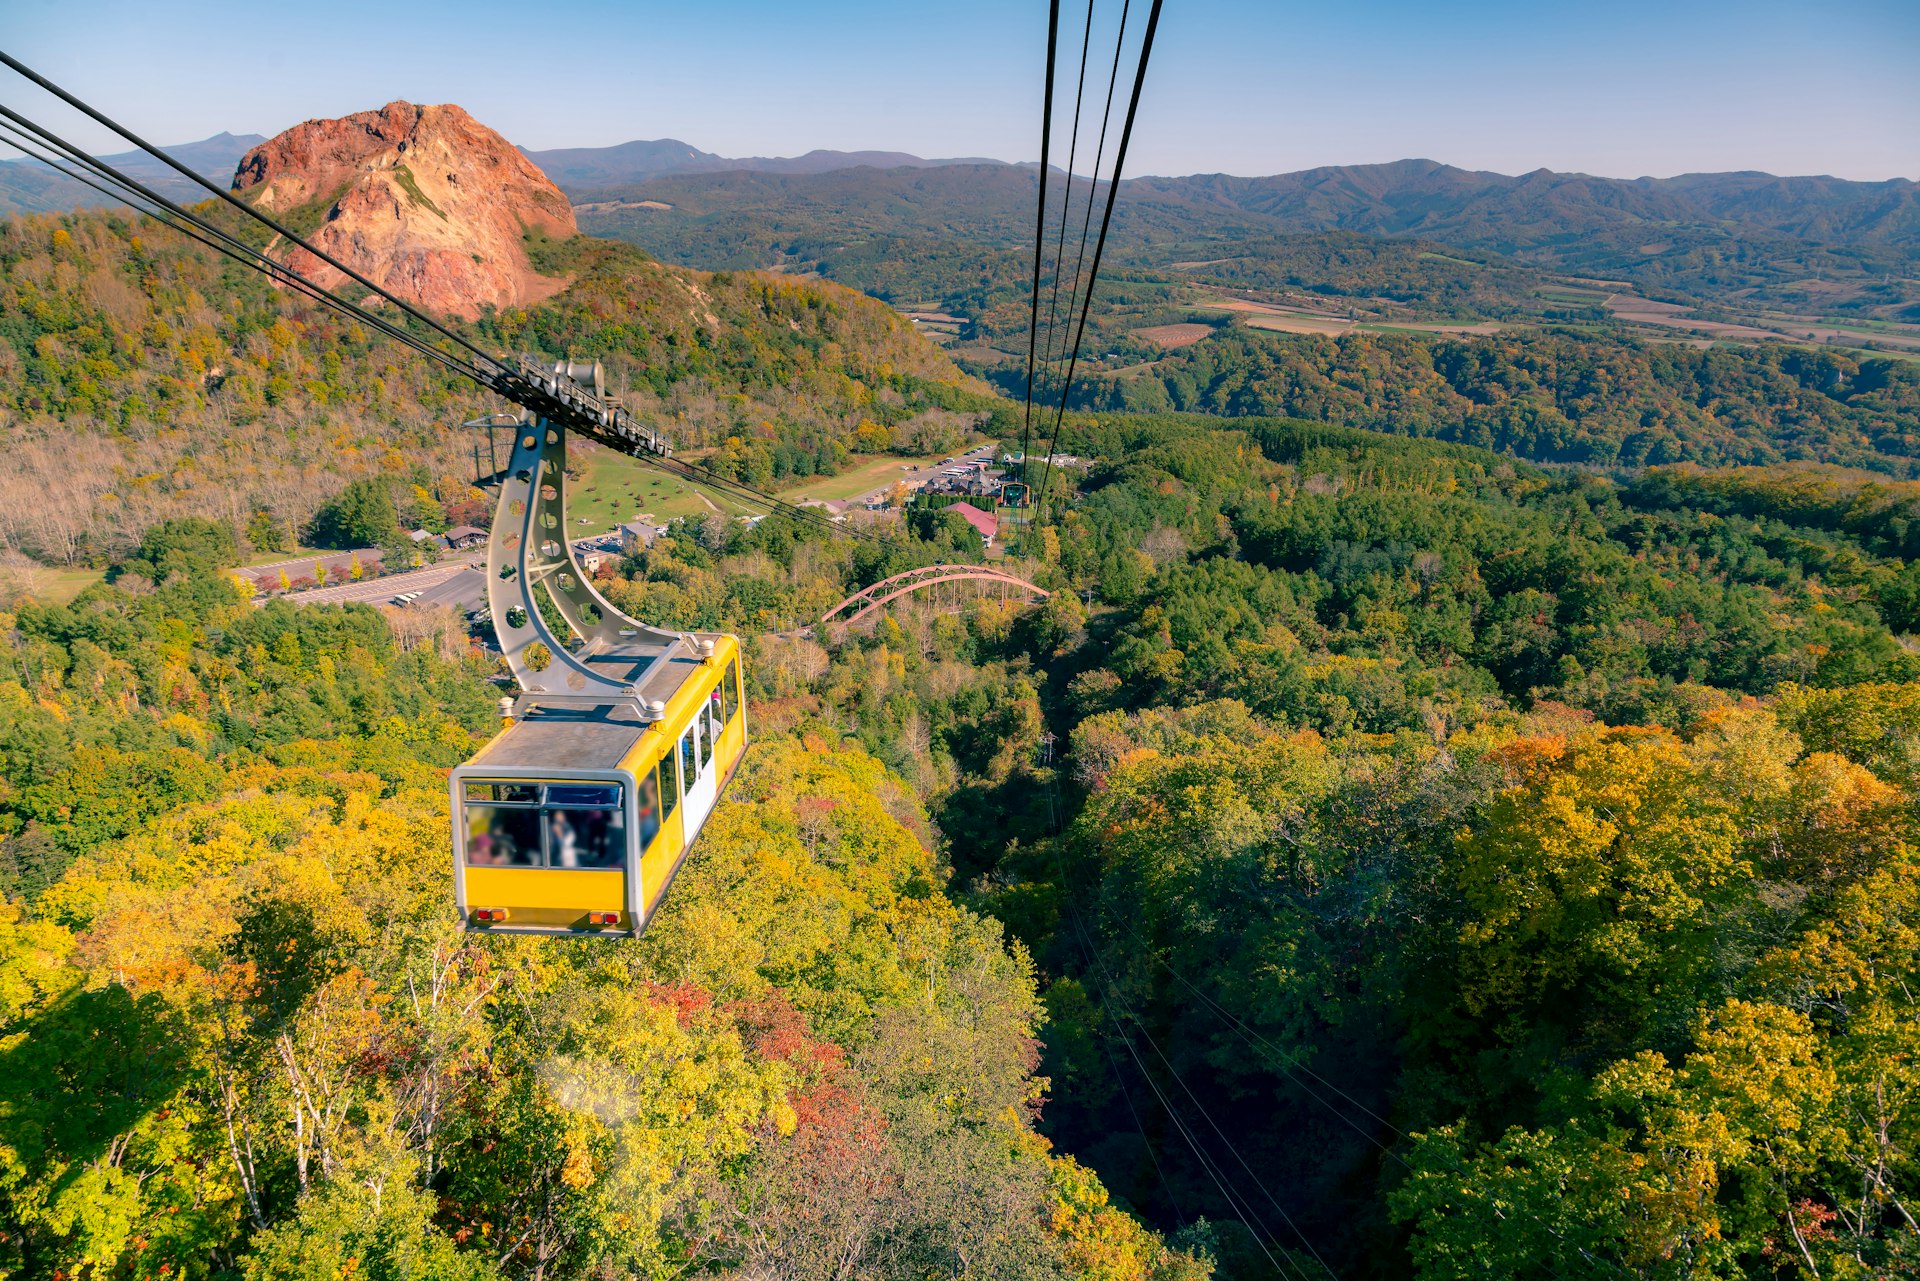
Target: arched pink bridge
{"points": [[866, 603]]}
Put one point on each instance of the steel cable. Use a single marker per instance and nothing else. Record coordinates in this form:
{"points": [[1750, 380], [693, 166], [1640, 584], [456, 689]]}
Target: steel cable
{"points": [[1039, 228], [1100, 245]]}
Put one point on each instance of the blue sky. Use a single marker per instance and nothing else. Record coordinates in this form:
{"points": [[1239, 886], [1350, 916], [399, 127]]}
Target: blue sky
{"points": [[1621, 88]]}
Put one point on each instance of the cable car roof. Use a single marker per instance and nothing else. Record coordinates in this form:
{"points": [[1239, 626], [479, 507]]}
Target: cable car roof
{"points": [[662, 683], [565, 738]]}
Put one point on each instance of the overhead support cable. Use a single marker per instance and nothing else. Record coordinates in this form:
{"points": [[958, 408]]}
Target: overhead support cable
{"points": [[1099, 154], [1237, 1204], [1040, 227], [1285, 1063], [1066, 197], [1100, 245]]}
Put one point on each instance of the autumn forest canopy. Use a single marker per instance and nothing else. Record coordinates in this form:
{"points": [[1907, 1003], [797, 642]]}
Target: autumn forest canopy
{"points": [[1453, 814]]}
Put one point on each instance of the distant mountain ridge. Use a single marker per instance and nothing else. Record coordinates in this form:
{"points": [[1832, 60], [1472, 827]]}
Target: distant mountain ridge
{"points": [[1579, 221], [637, 161], [1498, 211], [26, 186]]}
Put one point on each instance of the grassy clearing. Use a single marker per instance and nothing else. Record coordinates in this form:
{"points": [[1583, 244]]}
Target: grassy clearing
{"points": [[58, 586], [613, 488], [867, 472], [299, 552]]}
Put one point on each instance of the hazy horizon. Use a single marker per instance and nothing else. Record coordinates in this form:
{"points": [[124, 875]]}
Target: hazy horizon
{"points": [[1236, 87], [1057, 168]]}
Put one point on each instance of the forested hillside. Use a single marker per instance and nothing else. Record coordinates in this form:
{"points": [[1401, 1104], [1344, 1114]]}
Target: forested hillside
{"points": [[1504, 865], [243, 1035], [1408, 858], [1558, 396], [143, 378], [1517, 861]]}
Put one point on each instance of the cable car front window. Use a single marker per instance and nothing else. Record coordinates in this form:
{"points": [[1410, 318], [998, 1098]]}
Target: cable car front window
{"points": [[580, 825], [511, 793], [503, 836], [585, 826]]}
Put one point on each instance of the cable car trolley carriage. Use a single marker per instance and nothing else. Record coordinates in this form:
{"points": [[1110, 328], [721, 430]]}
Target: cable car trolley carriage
{"points": [[575, 818]]}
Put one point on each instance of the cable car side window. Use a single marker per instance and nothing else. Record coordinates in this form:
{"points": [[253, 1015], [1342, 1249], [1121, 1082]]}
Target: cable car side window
{"points": [[730, 692], [585, 825], [670, 779], [690, 754], [647, 802]]}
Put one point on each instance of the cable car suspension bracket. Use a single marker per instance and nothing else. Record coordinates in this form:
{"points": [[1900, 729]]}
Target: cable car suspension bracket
{"points": [[528, 551]]}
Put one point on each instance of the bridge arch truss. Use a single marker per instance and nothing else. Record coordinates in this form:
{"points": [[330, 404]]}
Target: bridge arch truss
{"points": [[865, 605]]}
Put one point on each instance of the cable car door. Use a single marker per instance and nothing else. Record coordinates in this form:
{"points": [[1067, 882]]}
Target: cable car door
{"points": [[696, 765]]}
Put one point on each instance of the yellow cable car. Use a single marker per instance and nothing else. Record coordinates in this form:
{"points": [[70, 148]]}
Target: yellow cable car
{"points": [[576, 817]]}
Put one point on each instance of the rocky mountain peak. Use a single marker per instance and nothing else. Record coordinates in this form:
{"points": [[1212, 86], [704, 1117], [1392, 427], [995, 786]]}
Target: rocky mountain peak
{"points": [[424, 200]]}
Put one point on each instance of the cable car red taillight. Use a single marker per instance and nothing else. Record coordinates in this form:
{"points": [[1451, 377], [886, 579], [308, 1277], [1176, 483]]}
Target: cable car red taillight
{"points": [[603, 918], [494, 915]]}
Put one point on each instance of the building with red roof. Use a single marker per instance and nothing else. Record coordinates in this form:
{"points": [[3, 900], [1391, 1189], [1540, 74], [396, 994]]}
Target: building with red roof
{"points": [[986, 524]]}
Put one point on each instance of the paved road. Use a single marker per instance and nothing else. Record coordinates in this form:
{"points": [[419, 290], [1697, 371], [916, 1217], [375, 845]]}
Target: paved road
{"points": [[337, 563], [380, 590]]}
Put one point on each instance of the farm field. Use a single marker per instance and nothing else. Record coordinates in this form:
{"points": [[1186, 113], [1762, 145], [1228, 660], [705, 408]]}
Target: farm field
{"points": [[1848, 332], [1286, 320], [1171, 336], [1645, 311], [1292, 320]]}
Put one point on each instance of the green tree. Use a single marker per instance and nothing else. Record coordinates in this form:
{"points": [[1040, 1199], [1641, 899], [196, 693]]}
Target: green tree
{"points": [[267, 532], [188, 545], [362, 516]]}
